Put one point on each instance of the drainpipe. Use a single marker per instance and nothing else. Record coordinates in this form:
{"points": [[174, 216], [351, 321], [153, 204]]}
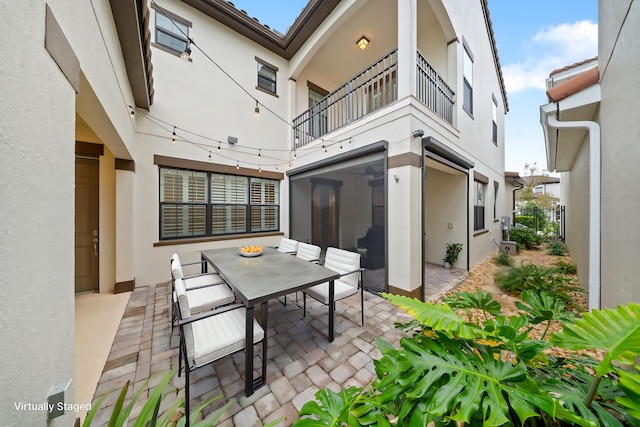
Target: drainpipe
{"points": [[594, 201]]}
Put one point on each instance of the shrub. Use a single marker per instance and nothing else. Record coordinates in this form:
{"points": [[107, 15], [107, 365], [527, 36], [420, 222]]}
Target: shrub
{"points": [[552, 229], [503, 259], [566, 267], [557, 248], [526, 237], [537, 277]]}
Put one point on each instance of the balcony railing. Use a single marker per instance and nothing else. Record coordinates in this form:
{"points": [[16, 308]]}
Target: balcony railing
{"points": [[432, 90], [370, 90]]}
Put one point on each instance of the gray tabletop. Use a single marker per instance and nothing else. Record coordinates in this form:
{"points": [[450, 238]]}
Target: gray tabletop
{"points": [[267, 276]]}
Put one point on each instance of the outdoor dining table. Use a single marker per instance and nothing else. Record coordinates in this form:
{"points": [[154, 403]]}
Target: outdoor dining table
{"points": [[256, 280]]}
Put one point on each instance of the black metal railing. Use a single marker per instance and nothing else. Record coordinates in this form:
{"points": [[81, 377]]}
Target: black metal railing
{"points": [[432, 90], [550, 222], [371, 89]]}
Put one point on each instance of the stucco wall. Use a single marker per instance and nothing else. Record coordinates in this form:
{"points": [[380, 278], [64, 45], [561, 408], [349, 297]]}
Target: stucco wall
{"points": [[36, 231], [618, 53], [577, 213]]}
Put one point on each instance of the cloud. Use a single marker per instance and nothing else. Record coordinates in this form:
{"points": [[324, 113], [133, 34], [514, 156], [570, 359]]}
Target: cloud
{"points": [[552, 48]]}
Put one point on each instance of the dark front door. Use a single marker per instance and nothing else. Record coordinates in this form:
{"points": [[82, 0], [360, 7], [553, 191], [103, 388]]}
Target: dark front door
{"points": [[86, 225], [325, 210]]}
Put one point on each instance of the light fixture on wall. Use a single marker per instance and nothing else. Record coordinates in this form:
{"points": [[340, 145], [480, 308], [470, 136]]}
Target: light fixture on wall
{"points": [[186, 52], [256, 111], [418, 133], [396, 178], [363, 42]]}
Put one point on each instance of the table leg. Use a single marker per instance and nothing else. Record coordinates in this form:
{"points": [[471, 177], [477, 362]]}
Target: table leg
{"points": [[264, 343], [204, 268], [248, 353], [332, 304]]}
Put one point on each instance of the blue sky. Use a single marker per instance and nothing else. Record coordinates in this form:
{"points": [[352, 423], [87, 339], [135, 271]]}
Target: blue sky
{"points": [[533, 37]]}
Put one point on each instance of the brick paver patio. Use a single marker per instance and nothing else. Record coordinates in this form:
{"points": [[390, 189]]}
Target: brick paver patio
{"points": [[300, 359]]}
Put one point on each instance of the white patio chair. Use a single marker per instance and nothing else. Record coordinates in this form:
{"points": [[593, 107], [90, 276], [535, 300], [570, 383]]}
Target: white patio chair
{"points": [[308, 252], [347, 264], [288, 246], [209, 336], [205, 291]]}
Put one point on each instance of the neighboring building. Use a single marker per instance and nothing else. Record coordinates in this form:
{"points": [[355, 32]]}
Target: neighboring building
{"points": [[544, 184], [401, 142], [591, 133]]}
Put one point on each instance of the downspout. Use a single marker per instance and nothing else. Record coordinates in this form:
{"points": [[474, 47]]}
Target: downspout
{"points": [[594, 201]]}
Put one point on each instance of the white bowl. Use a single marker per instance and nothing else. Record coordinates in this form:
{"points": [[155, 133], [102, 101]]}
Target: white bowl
{"points": [[250, 254]]}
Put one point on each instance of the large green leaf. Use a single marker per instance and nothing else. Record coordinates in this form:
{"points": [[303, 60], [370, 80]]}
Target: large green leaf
{"points": [[350, 407], [615, 331], [630, 383], [439, 317], [451, 379], [480, 300]]}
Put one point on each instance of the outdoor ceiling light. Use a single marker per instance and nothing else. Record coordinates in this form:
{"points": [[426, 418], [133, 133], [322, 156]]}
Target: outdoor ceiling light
{"points": [[363, 42]]}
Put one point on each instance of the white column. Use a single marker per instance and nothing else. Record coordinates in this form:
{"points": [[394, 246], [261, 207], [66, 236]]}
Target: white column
{"points": [[407, 46], [124, 225]]}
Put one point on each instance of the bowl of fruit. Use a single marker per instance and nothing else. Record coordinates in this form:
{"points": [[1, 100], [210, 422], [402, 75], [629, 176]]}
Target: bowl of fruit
{"points": [[251, 251]]}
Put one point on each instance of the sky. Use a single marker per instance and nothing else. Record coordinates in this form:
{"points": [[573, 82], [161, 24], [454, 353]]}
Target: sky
{"points": [[534, 37]]}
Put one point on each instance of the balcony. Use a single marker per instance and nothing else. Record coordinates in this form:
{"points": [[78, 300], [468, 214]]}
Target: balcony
{"points": [[370, 90]]}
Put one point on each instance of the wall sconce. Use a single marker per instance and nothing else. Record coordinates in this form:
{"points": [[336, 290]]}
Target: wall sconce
{"points": [[363, 42], [396, 178]]}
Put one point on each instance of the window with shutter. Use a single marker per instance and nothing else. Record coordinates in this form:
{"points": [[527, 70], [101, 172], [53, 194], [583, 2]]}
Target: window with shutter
{"points": [[194, 203]]}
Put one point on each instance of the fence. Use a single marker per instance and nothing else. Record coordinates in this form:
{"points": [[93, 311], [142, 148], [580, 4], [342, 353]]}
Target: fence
{"points": [[550, 222]]}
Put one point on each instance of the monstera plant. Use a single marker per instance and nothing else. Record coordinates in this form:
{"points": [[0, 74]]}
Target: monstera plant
{"points": [[450, 370]]}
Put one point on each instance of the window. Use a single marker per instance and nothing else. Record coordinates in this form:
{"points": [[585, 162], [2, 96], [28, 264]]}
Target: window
{"points": [[494, 117], [467, 73], [480, 188], [195, 204], [538, 189], [172, 32], [266, 77], [496, 185]]}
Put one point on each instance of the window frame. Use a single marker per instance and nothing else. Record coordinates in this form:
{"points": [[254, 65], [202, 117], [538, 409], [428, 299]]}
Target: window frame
{"points": [[260, 63], [467, 78], [211, 205], [176, 35], [479, 203], [494, 120]]}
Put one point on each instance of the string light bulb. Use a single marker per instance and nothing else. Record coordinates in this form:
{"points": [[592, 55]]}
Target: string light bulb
{"points": [[259, 155], [187, 51], [340, 145], [209, 155], [237, 165], [218, 146], [173, 137], [256, 112], [259, 168], [132, 112]]}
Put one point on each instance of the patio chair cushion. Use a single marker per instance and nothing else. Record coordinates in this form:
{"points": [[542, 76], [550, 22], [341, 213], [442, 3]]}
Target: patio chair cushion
{"points": [[321, 292], [308, 252], [210, 297], [194, 281], [221, 335]]}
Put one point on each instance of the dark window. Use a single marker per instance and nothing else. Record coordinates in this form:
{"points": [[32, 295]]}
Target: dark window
{"points": [[194, 203], [494, 121], [171, 33], [467, 73], [496, 185], [267, 77]]}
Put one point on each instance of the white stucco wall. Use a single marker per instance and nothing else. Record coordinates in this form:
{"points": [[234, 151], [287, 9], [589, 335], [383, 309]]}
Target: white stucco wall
{"points": [[36, 231], [618, 60]]}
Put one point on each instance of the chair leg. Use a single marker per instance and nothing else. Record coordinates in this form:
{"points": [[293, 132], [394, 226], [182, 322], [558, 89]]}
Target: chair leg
{"points": [[362, 295], [186, 396], [304, 305]]}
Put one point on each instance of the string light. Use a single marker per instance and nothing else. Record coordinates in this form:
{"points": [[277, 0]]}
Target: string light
{"points": [[218, 146], [256, 112], [187, 51], [259, 168], [173, 138], [259, 151], [209, 155], [237, 165], [340, 145], [132, 112]]}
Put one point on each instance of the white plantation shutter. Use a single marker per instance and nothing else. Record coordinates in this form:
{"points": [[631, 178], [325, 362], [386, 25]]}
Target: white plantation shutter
{"points": [[183, 198], [229, 200], [264, 210]]}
